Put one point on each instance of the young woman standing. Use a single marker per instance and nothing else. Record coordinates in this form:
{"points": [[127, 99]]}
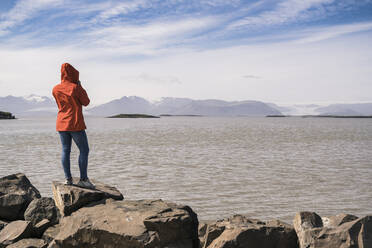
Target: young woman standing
{"points": [[70, 97]]}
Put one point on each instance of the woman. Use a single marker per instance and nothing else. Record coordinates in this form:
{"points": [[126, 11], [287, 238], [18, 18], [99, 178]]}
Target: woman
{"points": [[70, 97]]}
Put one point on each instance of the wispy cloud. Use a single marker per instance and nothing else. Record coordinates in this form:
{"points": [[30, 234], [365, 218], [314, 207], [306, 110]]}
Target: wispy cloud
{"points": [[288, 11], [149, 38], [24, 10], [310, 35], [121, 8]]}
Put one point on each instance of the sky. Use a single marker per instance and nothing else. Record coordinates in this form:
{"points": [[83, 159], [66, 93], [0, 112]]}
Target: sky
{"points": [[282, 51]]}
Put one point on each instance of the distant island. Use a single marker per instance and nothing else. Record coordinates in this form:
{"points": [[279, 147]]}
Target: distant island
{"points": [[6, 115], [133, 116]]}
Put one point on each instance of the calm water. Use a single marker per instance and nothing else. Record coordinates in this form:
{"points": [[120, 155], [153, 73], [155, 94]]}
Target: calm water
{"points": [[263, 167]]}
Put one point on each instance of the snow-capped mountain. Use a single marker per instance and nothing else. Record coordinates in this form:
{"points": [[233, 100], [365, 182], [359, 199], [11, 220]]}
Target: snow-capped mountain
{"points": [[31, 105], [35, 105], [350, 109], [183, 106]]}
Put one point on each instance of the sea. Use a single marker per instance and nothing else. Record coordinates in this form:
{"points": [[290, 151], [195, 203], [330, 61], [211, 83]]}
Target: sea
{"points": [[265, 168]]}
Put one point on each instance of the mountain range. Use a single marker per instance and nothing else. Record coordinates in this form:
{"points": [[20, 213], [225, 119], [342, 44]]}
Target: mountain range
{"points": [[183, 106], [34, 105]]}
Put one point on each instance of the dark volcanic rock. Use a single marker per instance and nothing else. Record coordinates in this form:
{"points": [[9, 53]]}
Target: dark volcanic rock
{"points": [[15, 231], [128, 224], [16, 192], [69, 198], [340, 231], [42, 208], [29, 243], [241, 232]]}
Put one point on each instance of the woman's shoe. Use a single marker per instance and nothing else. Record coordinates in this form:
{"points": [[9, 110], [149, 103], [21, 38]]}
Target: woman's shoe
{"points": [[68, 182], [85, 183]]}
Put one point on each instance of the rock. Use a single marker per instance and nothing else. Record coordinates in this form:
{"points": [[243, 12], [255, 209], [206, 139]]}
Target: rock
{"points": [[6, 115], [340, 231], [352, 234], [208, 232], [3, 224], [129, 224], [50, 233], [337, 220], [202, 230], [241, 232], [69, 198], [42, 208], [29, 243], [16, 192], [15, 231], [307, 226], [40, 227]]}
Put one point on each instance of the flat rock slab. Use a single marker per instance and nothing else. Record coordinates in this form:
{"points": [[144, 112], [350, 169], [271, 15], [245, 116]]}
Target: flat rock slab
{"points": [[14, 232], [241, 232], [29, 243], [16, 192], [69, 198], [128, 224]]}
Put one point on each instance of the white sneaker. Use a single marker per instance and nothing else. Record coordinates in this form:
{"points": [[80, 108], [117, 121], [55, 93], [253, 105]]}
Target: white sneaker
{"points": [[86, 184]]}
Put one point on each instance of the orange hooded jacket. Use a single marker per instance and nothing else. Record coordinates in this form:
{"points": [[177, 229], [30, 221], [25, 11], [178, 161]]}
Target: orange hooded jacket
{"points": [[70, 97]]}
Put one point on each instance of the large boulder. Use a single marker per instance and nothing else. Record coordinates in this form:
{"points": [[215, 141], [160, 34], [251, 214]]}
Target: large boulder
{"points": [[341, 231], [241, 232], [16, 192], [42, 208], [69, 198], [29, 243], [128, 224], [15, 231]]}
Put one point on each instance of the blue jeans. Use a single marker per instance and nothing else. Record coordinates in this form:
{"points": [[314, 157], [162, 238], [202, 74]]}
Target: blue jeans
{"points": [[81, 140]]}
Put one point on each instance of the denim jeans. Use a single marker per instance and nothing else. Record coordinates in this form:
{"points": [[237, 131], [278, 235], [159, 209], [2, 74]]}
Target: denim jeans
{"points": [[81, 140]]}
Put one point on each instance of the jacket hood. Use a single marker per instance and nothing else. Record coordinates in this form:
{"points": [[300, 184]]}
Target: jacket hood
{"points": [[69, 73]]}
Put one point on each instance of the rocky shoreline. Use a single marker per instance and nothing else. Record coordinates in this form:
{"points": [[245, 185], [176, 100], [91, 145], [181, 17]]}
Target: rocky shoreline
{"points": [[78, 217]]}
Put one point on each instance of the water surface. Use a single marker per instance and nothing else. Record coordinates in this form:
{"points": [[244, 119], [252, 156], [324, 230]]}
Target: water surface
{"points": [[262, 167]]}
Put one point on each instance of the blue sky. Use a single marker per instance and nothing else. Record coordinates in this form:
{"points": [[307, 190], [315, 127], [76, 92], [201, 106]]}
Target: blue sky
{"points": [[286, 51]]}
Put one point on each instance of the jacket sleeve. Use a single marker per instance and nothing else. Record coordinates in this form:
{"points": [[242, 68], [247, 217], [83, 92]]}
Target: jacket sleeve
{"points": [[82, 96]]}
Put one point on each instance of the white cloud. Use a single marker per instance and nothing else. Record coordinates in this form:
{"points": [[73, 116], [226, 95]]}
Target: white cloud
{"points": [[120, 8], [286, 11], [24, 10], [318, 34], [333, 70], [149, 39], [295, 66]]}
